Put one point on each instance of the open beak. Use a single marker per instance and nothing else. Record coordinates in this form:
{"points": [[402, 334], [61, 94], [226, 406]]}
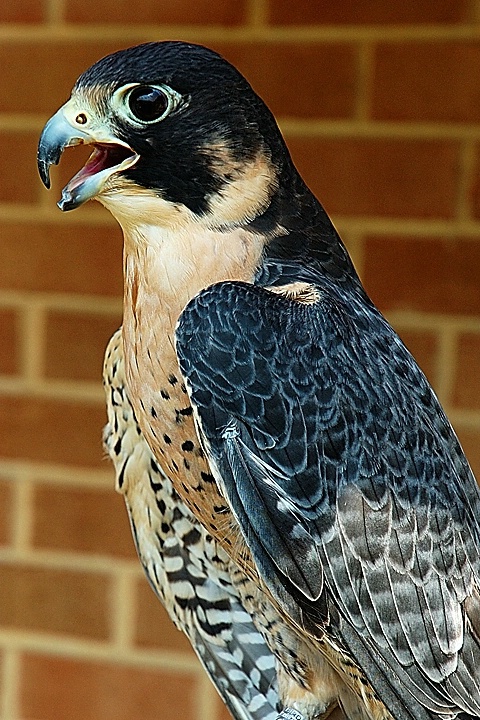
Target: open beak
{"points": [[110, 156]]}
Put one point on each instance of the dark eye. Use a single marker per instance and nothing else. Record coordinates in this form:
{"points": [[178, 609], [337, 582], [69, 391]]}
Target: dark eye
{"points": [[145, 104], [148, 103]]}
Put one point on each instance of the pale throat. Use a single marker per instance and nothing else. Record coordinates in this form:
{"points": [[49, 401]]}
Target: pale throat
{"points": [[164, 268]]}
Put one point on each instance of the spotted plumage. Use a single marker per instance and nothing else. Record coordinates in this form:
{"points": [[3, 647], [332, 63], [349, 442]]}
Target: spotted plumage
{"points": [[291, 431], [185, 566], [236, 631]]}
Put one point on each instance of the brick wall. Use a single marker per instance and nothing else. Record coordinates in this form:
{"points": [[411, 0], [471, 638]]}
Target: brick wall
{"points": [[380, 103]]}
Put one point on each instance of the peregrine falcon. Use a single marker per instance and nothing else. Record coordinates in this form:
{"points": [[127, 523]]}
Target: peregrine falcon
{"points": [[301, 449]]}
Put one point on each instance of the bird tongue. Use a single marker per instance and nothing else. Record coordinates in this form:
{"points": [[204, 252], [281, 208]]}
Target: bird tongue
{"points": [[102, 157], [104, 161]]}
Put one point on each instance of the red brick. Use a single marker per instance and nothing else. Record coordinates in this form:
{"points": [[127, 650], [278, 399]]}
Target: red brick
{"points": [[46, 430], [10, 346], [22, 11], [425, 274], [6, 510], [173, 12], [371, 12], [466, 390], [75, 344], [474, 193], [51, 68], [385, 177], [153, 628], [424, 347], [55, 688], [310, 80], [427, 82], [55, 601], [85, 520], [61, 258], [222, 712], [305, 80], [470, 440], [19, 178]]}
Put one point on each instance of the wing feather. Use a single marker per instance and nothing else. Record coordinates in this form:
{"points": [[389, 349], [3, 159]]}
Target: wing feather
{"points": [[345, 476]]}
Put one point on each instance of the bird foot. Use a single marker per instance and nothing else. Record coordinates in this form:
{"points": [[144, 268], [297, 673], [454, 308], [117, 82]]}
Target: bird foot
{"points": [[290, 714]]}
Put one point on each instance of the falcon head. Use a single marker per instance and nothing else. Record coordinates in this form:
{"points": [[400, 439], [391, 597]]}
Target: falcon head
{"points": [[176, 131]]}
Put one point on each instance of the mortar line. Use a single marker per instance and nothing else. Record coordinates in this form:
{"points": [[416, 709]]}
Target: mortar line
{"points": [[367, 223], [97, 304], [205, 695], [433, 321], [44, 211], [60, 474], [371, 128], [22, 526], [33, 342], [359, 125], [257, 14], [88, 649], [63, 390], [58, 30], [446, 365], [11, 683], [355, 246], [466, 418], [68, 560], [55, 13], [123, 609]]}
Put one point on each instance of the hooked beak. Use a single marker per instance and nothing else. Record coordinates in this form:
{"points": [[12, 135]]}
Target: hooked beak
{"points": [[110, 156]]}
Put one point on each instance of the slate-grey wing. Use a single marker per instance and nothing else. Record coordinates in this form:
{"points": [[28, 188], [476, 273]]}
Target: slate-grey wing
{"points": [[347, 480]]}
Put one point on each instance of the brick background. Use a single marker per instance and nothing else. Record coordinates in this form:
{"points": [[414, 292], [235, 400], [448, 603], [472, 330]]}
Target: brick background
{"points": [[55, 688], [380, 104], [374, 12], [53, 600], [381, 176]]}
